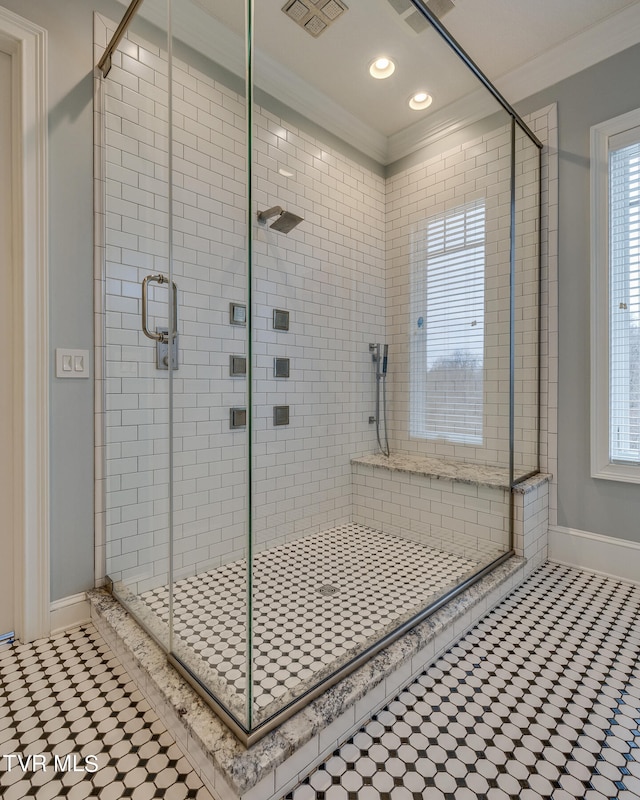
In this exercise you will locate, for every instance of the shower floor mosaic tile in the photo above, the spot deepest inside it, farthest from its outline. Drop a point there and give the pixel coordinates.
(81, 728)
(540, 701)
(317, 601)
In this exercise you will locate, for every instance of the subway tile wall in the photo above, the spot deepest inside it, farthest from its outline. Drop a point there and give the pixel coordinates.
(208, 246)
(466, 519)
(328, 274)
(545, 124)
(333, 273)
(531, 520)
(527, 312)
(136, 396)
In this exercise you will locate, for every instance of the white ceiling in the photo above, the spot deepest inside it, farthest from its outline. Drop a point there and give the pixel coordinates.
(521, 45)
(501, 35)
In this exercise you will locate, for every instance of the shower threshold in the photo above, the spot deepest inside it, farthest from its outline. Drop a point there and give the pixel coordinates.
(268, 767)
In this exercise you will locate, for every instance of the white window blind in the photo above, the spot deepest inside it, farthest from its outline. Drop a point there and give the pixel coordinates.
(448, 319)
(624, 295)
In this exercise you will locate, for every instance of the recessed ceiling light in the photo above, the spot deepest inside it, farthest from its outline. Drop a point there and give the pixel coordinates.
(382, 67)
(420, 101)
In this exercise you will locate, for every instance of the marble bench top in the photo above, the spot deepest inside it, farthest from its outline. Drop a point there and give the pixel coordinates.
(477, 474)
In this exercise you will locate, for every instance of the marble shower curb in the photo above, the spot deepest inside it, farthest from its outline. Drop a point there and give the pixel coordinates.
(272, 766)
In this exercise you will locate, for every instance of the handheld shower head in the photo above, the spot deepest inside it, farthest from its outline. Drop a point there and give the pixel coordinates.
(285, 222)
(380, 357)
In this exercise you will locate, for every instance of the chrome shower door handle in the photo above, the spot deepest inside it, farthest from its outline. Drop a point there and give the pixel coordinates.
(159, 337)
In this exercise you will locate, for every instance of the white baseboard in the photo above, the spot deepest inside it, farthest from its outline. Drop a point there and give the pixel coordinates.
(605, 555)
(69, 612)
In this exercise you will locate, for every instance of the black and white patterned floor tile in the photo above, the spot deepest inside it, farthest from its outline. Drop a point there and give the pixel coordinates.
(315, 601)
(540, 701)
(67, 703)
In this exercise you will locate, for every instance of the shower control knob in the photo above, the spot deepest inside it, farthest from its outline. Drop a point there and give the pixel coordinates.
(165, 360)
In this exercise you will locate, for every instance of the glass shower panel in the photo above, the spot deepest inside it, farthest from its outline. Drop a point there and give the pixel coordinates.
(344, 553)
(209, 445)
(527, 306)
(135, 109)
(289, 285)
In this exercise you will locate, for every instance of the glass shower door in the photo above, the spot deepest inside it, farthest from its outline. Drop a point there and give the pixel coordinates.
(176, 336)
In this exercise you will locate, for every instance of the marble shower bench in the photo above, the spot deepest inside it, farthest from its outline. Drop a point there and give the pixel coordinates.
(451, 505)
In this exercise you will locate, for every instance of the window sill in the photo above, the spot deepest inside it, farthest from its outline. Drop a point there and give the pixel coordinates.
(627, 473)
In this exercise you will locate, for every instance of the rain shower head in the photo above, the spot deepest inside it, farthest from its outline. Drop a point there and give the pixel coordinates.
(286, 220)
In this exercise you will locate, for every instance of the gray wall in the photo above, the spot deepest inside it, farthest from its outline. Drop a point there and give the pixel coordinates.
(70, 27)
(599, 93)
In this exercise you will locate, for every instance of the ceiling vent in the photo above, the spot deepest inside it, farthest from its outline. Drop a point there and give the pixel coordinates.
(414, 18)
(315, 16)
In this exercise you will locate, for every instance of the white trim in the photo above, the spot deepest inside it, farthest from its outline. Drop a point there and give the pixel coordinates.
(316, 106)
(601, 465)
(611, 36)
(605, 555)
(440, 123)
(32, 570)
(69, 612)
(603, 40)
(193, 26)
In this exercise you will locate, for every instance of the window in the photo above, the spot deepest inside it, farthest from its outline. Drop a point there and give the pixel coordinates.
(616, 299)
(448, 327)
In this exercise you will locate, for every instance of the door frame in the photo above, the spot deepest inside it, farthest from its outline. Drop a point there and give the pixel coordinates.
(26, 43)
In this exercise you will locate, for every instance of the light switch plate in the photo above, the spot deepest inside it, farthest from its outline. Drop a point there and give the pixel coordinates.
(72, 363)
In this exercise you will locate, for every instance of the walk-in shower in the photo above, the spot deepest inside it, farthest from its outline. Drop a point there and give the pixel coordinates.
(266, 210)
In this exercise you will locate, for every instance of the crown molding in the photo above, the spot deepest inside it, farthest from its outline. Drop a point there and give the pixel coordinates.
(597, 43)
(468, 109)
(193, 26)
(320, 109)
(611, 36)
